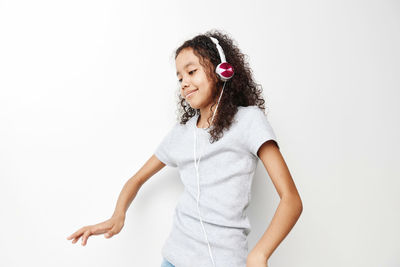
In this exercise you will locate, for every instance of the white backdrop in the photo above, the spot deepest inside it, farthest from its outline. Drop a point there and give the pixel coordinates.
(88, 90)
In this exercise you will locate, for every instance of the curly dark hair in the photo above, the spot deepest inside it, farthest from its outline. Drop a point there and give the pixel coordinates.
(240, 90)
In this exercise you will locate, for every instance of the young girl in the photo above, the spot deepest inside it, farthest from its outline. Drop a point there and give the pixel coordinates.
(222, 126)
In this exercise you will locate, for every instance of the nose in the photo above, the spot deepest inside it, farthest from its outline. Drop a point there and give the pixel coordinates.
(184, 83)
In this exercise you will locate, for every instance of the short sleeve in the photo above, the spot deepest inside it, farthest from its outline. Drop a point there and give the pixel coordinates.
(164, 149)
(257, 130)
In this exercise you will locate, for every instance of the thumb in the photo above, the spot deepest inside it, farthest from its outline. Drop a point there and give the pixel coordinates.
(108, 234)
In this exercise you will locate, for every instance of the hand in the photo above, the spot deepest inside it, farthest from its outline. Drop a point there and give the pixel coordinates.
(111, 227)
(256, 259)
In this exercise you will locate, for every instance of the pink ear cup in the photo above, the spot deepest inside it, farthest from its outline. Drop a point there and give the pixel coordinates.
(225, 71)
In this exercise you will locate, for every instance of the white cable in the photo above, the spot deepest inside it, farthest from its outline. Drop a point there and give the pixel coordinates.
(196, 165)
(198, 209)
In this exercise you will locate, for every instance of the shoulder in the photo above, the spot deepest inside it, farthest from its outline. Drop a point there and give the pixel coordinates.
(179, 128)
(250, 112)
(254, 118)
(172, 130)
(250, 109)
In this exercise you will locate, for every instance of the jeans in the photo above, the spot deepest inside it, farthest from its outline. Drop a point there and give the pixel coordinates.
(166, 263)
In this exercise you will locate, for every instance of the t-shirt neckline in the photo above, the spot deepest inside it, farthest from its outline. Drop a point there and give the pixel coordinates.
(195, 118)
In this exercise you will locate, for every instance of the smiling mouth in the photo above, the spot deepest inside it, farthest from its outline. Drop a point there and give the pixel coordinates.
(191, 93)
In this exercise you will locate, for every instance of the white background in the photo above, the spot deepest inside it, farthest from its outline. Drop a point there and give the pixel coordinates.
(88, 90)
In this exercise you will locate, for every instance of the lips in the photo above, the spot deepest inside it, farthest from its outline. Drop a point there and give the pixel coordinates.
(191, 91)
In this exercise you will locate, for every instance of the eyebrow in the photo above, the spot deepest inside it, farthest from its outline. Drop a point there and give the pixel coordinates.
(190, 63)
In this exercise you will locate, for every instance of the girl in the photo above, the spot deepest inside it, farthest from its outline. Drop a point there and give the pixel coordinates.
(223, 126)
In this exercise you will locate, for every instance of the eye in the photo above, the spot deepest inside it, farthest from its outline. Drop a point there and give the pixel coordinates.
(190, 72)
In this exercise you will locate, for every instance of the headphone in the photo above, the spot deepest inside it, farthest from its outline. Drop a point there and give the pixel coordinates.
(225, 72)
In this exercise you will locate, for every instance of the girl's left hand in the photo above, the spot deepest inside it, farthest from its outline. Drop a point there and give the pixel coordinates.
(255, 259)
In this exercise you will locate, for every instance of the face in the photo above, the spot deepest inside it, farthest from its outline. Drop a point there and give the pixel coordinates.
(193, 78)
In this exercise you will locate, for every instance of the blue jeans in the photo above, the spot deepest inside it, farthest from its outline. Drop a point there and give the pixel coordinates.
(166, 263)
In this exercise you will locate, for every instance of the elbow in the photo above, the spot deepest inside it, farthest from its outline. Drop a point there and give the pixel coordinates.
(298, 203)
(295, 201)
(300, 206)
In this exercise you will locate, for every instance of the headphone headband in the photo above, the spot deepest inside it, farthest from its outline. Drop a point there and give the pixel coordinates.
(224, 70)
(219, 48)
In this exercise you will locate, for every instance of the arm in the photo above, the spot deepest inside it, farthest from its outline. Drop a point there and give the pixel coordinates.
(114, 225)
(132, 186)
(289, 209)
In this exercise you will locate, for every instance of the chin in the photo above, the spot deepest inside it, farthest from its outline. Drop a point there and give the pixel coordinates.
(194, 105)
(197, 104)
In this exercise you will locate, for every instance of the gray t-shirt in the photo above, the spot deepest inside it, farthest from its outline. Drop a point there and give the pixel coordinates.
(226, 172)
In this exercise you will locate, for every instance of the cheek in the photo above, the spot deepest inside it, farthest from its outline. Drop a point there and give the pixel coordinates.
(205, 93)
(198, 80)
(203, 83)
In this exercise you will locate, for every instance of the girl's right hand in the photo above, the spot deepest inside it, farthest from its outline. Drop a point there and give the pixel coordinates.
(111, 227)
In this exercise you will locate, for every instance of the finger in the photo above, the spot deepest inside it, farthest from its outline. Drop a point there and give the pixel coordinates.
(85, 237)
(109, 234)
(77, 233)
(70, 236)
(75, 239)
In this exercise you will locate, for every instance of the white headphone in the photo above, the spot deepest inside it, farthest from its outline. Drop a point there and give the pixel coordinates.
(225, 72)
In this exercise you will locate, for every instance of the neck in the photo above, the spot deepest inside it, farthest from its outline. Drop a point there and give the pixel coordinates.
(205, 114)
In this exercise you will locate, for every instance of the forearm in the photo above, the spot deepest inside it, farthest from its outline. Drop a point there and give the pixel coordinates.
(132, 186)
(128, 193)
(285, 217)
